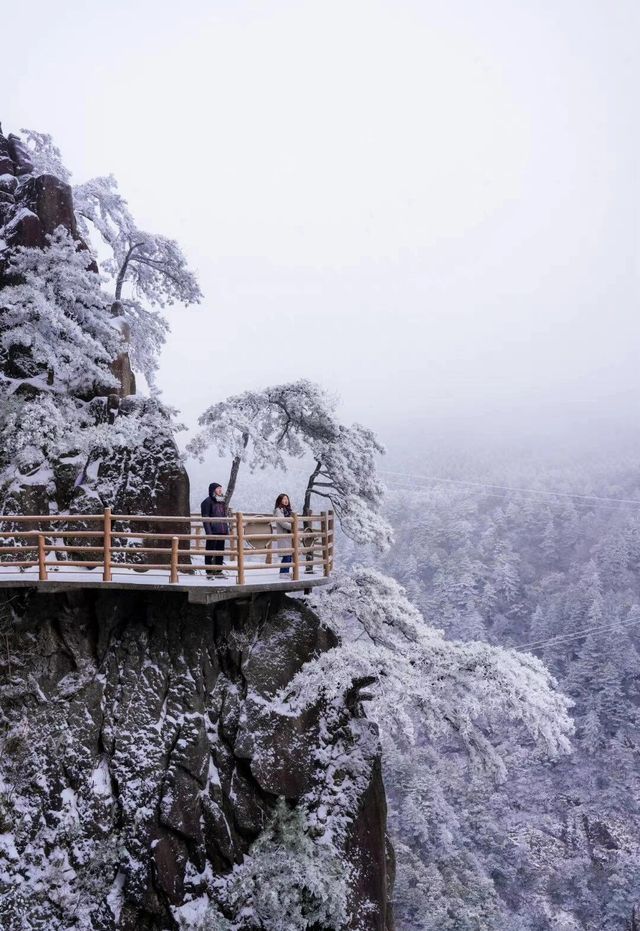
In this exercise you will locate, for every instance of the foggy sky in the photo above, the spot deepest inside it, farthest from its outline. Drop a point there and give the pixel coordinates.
(431, 208)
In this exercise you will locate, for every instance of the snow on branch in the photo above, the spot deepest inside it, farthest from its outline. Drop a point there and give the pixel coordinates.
(425, 684)
(45, 155)
(288, 880)
(56, 310)
(263, 428)
(142, 268)
(153, 265)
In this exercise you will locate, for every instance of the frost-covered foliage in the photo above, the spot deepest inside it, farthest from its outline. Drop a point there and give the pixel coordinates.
(69, 338)
(56, 313)
(58, 341)
(294, 420)
(556, 845)
(153, 267)
(440, 705)
(46, 157)
(290, 880)
(424, 685)
(148, 330)
(56, 349)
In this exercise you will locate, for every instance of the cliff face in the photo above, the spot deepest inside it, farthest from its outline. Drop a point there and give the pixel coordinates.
(143, 757)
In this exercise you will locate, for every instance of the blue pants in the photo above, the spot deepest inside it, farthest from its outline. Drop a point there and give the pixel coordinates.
(286, 559)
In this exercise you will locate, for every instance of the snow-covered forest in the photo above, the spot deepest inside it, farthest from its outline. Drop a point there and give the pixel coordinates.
(554, 569)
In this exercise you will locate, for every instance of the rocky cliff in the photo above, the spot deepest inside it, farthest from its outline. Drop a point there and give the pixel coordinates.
(150, 778)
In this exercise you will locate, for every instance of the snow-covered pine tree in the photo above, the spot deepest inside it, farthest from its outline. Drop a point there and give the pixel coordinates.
(57, 347)
(55, 323)
(438, 703)
(295, 420)
(143, 270)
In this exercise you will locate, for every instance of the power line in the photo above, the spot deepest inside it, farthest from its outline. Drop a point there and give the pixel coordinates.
(530, 491)
(536, 644)
(488, 494)
(586, 500)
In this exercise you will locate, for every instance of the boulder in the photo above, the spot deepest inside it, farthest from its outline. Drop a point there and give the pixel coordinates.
(20, 155)
(8, 182)
(23, 228)
(52, 202)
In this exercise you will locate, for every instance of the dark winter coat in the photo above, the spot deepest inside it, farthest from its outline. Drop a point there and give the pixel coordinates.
(212, 508)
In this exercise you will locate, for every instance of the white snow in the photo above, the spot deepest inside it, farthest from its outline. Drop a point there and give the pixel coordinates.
(213, 776)
(116, 895)
(19, 215)
(100, 779)
(8, 847)
(124, 576)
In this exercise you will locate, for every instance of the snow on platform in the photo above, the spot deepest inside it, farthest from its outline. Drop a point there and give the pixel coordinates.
(200, 588)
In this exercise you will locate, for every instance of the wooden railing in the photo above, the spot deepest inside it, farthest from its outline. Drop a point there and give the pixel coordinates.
(127, 542)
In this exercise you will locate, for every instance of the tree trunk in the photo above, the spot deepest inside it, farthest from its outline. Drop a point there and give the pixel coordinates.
(235, 468)
(309, 489)
(308, 537)
(123, 270)
(233, 478)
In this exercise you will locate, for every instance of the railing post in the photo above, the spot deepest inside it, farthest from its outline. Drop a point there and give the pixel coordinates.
(332, 539)
(309, 540)
(173, 572)
(233, 531)
(240, 539)
(296, 548)
(325, 542)
(42, 565)
(106, 546)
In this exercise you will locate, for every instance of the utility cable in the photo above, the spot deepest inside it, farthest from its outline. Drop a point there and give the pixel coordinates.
(531, 491)
(536, 644)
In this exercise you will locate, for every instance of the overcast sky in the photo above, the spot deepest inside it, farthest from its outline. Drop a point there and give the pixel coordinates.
(429, 207)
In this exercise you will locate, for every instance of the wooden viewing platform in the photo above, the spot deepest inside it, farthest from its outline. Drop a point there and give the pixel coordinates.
(57, 552)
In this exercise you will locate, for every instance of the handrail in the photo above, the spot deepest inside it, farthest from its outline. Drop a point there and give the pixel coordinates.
(113, 544)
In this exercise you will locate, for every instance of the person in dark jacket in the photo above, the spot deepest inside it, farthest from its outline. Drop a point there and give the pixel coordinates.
(214, 507)
(282, 525)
